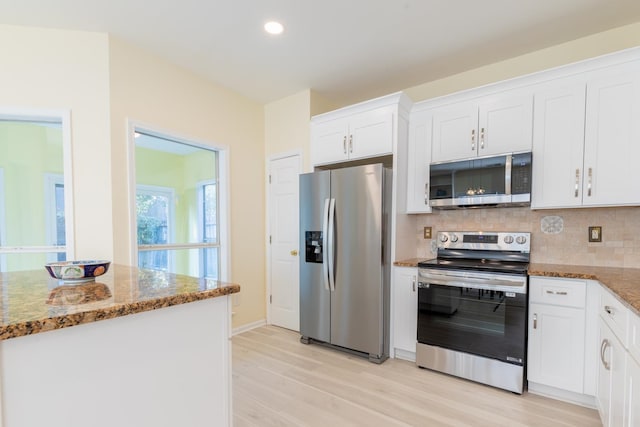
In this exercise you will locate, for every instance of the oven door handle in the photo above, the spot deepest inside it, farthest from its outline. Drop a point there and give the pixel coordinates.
(470, 282)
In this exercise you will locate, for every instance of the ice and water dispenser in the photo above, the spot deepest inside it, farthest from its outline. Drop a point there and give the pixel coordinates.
(313, 246)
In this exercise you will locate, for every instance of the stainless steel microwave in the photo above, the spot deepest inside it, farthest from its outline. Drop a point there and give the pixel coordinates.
(481, 182)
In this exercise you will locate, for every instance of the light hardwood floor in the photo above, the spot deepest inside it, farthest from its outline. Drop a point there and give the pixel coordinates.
(277, 381)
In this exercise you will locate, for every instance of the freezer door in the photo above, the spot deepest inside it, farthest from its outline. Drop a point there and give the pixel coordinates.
(357, 301)
(315, 300)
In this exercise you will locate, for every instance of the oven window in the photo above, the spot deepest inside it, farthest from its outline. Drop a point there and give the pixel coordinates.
(483, 322)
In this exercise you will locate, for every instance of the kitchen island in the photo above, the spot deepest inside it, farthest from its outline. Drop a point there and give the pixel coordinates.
(134, 348)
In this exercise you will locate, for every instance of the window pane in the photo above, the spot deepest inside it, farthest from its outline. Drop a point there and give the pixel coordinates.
(28, 152)
(191, 262)
(177, 204)
(27, 261)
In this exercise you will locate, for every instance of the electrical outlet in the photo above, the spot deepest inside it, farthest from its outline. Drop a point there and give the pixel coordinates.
(595, 234)
(427, 232)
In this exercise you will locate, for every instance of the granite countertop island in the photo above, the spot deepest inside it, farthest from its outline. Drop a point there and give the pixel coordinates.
(134, 348)
(33, 302)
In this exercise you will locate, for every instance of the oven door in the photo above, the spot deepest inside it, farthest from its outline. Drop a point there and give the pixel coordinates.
(464, 315)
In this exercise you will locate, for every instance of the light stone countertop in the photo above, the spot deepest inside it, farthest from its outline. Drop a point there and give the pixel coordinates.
(622, 282)
(33, 302)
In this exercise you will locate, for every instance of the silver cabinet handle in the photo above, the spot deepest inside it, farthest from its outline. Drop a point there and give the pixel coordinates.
(577, 182)
(535, 320)
(344, 144)
(414, 283)
(609, 309)
(351, 143)
(473, 140)
(603, 348)
(556, 292)
(590, 179)
(482, 138)
(426, 193)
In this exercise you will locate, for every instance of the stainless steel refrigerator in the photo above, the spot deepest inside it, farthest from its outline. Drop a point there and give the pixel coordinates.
(345, 264)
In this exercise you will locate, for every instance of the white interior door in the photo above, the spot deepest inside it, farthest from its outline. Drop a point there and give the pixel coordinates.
(284, 231)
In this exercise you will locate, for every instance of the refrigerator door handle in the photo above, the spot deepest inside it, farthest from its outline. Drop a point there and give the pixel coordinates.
(331, 247)
(325, 247)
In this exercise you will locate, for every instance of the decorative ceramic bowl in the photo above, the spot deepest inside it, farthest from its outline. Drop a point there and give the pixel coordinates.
(77, 271)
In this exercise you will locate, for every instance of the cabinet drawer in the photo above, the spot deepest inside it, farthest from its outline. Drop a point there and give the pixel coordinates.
(615, 314)
(562, 292)
(634, 336)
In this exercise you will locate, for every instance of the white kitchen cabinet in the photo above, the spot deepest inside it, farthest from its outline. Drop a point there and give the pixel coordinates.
(612, 137)
(611, 378)
(557, 330)
(632, 393)
(405, 312)
(585, 139)
(558, 142)
(419, 158)
(364, 130)
(491, 125)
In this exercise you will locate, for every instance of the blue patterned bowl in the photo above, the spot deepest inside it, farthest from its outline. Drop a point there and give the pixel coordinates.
(77, 271)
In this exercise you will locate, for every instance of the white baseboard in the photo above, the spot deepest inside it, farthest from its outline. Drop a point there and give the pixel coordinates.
(404, 355)
(248, 327)
(564, 395)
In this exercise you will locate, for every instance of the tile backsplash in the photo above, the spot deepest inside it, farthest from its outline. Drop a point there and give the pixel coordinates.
(620, 246)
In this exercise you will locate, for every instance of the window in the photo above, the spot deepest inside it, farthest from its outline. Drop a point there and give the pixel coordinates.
(155, 223)
(177, 205)
(34, 159)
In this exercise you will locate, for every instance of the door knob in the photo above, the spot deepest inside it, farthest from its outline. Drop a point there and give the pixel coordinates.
(294, 253)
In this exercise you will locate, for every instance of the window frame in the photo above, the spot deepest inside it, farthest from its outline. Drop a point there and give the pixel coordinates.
(133, 127)
(62, 117)
(50, 182)
(216, 243)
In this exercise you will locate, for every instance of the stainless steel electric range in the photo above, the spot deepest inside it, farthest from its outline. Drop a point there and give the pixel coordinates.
(472, 307)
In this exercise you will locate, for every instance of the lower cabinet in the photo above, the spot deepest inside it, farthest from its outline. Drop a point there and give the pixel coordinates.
(632, 391)
(611, 378)
(405, 312)
(556, 346)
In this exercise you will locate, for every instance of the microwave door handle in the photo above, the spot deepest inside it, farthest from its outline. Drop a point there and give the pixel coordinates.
(325, 246)
(507, 174)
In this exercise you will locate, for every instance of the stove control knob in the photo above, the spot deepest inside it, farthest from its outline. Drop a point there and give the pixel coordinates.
(454, 238)
(521, 240)
(508, 240)
(443, 238)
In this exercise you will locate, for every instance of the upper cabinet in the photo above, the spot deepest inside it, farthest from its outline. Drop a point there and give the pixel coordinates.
(368, 129)
(491, 125)
(418, 159)
(586, 139)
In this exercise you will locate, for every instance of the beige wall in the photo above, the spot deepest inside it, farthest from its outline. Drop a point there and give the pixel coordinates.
(149, 90)
(562, 54)
(68, 70)
(286, 126)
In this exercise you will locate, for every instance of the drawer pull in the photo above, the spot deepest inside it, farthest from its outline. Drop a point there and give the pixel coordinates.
(557, 292)
(609, 309)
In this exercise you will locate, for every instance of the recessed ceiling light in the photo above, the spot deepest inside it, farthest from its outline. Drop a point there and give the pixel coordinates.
(273, 27)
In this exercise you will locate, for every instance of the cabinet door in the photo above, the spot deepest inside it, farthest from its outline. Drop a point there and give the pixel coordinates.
(505, 124)
(611, 378)
(405, 308)
(419, 157)
(632, 394)
(329, 142)
(556, 346)
(558, 142)
(612, 137)
(370, 134)
(455, 132)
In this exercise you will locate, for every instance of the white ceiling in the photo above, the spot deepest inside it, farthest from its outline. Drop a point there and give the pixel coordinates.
(346, 50)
